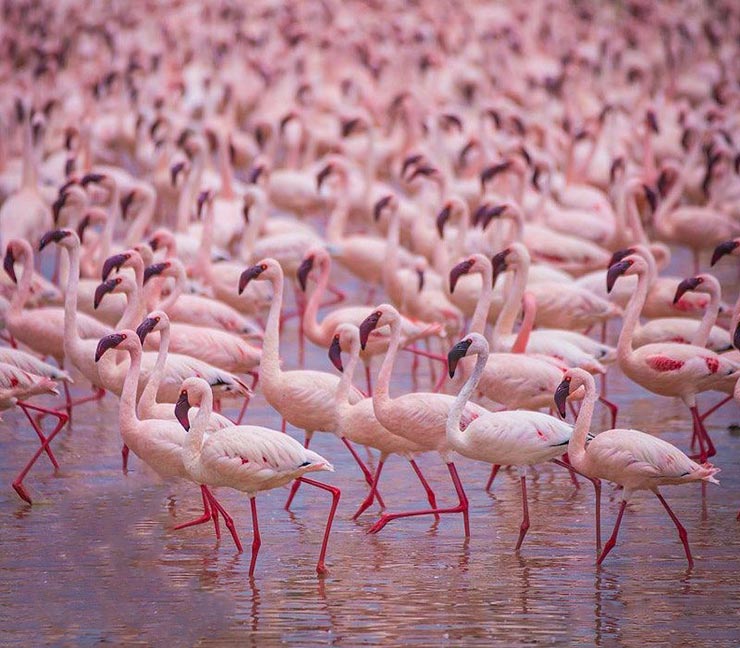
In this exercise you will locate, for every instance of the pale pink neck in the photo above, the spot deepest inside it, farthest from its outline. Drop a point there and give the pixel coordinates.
(483, 307)
(512, 303)
(20, 296)
(632, 318)
(381, 397)
(530, 310)
(577, 443)
(270, 362)
(127, 416)
(311, 324)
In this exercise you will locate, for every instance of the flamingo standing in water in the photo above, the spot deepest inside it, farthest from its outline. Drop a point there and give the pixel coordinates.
(248, 458)
(419, 417)
(158, 443)
(511, 438)
(633, 459)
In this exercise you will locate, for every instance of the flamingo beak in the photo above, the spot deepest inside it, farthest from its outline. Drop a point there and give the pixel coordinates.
(145, 328)
(102, 290)
(154, 270)
(304, 270)
(182, 407)
(685, 286)
(619, 255)
(420, 275)
(126, 202)
(255, 174)
(368, 325)
(203, 196)
(736, 337)
(651, 197)
(460, 269)
(561, 396)
(175, 171)
(54, 236)
(154, 244)
(114, 262)
(490, 213)
(728, 247)
(457, 353)
(498, 263)
(56, 208)
(84, 224)
(323, 175)
(9, 264)
(108, 342)
(442, 219)
(250, 273)
(615, 271)
(335, 353)
(380, 206)
(94, 178)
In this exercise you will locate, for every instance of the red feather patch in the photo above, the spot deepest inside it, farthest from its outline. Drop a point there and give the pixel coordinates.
(712, 364)
(663, 363)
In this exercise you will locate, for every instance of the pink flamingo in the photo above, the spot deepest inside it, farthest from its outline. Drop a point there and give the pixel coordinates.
(633, 459)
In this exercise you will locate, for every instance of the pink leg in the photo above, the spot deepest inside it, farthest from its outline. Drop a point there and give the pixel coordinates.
(613, 538)
(245, 404)
(613, 409)
(425, 484)
(525, 514)
(25, 407)
(335, 495)
(256, 539)
(573, 478)
(706, 447)
(714, 408)
(597, 492)
(339, 296)
(297, 483)
(367, 502)
(282, 426)
(462, 507)
(205, 517)
(124, 458)
(227, 520)
(368, 380)
(18, 481)
(365, 471)
(494, 471)
(681, 531)
(70, 403)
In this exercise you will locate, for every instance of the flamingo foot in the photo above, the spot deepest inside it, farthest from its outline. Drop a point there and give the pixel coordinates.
(335, 495)
(22, 492)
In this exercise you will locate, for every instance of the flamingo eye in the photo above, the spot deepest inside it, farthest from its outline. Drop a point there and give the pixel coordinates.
(336, 337)
(378, 313)
(568, 379)
(184, 392)
(118, 280)
(264, 266)
(156, 319)
(123, 336)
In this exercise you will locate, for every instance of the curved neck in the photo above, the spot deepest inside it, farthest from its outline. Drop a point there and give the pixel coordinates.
(676, 191)
(577, 442)
(29, 179)
(20, 296)
(310, 315)
(251, 231)
(194, 437)
(701, 336)
(483, 306)
(632, 318)
(70, 299)
(507, 318)
(177, 290)
(131, 314)
(338, 218)
(525, 330)
(517, 223)
(127, 416)
(381, 396)
(341, 398)
(270, 362)
(454, 434)
(148, 397)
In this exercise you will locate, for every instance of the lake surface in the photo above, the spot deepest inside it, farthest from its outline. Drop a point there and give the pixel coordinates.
(95, 559)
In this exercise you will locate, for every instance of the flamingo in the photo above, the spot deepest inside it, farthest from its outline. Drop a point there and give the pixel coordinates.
(726, 247)
(668, 369)
(158, 443)
(419, 417)
(512, 438)
(631, 458)
(248, 458)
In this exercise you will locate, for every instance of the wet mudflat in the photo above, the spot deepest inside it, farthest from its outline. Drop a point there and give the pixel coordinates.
(95, 560)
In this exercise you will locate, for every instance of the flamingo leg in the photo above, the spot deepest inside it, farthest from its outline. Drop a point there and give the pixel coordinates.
(368, 380)
(336, 494)
(367, 502)
(339, 296)
(205, 517)
(227, 520)
(18, 481)
(124, 458)
(573, 478)
(706, 447)
(494, 471)
(297, 483)
(714, 408)
(525, 514)
(612, 407)
(425, 484)
(613, 538)
(462, 507)
(681, 530)
(25, 407)
(247, 399)
(70, 403)
(365, 471)
(256, 539)
(597, 493)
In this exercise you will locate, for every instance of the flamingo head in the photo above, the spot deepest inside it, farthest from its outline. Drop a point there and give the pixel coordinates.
(155, 321)
(192, 392)
(736, 337)
(386, 201)
(111, 341)
(126, 202)
(175, 171)
(156, 269)
(616, 171)
(443, 217)
(9, 262)
(471, 344)
(56, 236)
(651, 121)
(462, 268)
(107, 286)
(651, 196)
(383, 315)
(204, 198)
(264, 270)
(58, 205)
(573, 380)
(322, 175)
(411, 161)
(162, 238)
(500, 263)
(259, 170)
(727, 247)
(116, 262)
(486, 213)
(490, 172)
(305, 269)
(335, 352)
(620, 254)
(182, 407)
(692, 283)
(616, 270)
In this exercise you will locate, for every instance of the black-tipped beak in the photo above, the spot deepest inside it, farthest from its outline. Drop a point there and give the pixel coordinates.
(727, 247)
(335, 353)
(182, 407)
(459, 351)
(94, 178)
(83, 225)
(490, 213)
(619, 255)
(56, 208)
(304, 270)
(52, 237)
(108, 342)
(492, 171)
(113, 263)
(615, 271)
(498, 263)
(651, 197)
(442, 219)
(9, 264)
(175, 171)
(736, 337)
(155, 269)
(380, 206)
(255, 173)
(126, 203)
(250, 273)
(460, 269)
(102, 290)
(203, 197)
(323, 175)
(686, 285)
(145, 328)
(154, 244)
(561, 396)
(368, 326)
(652, 121)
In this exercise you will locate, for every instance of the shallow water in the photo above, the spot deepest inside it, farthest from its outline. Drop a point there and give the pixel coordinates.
(96, 560)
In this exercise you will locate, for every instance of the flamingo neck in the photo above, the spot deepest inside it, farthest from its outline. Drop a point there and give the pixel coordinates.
(341, 398)
(660, 217)
(136, 232)
(270, 362)
(131, 314)
(463, 227)
(111, 223)
(390, 268)
(206, 241)
(701, 336)
(514, 214)
(70, 298)
(631, 319)
(29, 178)
(522, 339)
(629, 204)
(20, 296)
(194, 437)
(225, 170)
(177, 290)
(338, 218)
(577, 442)
(483, 306)
(455, 436)
(128, 419)
(148, 397)
(310, 315)
(381, 395)
(505, 323)
(251, 231)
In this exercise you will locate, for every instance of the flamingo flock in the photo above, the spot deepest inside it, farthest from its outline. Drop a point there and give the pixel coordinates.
(475, 193)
